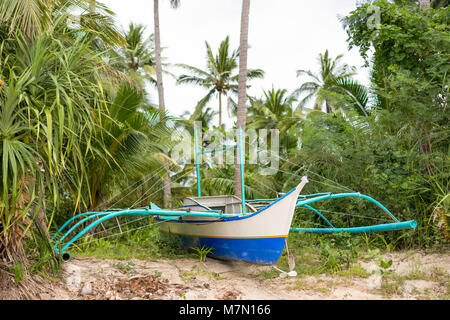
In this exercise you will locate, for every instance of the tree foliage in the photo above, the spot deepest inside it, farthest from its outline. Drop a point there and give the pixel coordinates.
(78, 131)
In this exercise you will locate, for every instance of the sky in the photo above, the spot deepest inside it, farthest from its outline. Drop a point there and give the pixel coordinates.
(284, 36)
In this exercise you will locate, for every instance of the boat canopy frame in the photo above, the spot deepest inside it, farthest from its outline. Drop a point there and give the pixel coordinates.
(239, 145)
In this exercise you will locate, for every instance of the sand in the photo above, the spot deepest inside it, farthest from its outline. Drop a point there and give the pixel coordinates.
(414, 275)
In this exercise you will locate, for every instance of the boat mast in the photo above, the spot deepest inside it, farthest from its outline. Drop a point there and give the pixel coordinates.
(241, 168)
(240, 145)
(197, 163)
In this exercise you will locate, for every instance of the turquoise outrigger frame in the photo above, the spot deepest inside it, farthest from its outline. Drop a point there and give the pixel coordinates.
(167, 215)
(305, 200)
(397, 225)
(153, 210)
(101, 216)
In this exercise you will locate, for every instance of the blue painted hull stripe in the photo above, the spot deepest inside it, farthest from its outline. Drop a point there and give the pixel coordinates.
(254, 250)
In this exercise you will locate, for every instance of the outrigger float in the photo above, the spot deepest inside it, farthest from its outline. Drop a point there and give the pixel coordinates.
(235, 229)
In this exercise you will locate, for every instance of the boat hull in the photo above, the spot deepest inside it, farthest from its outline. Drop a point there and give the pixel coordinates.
(254, 250)
(257, 237)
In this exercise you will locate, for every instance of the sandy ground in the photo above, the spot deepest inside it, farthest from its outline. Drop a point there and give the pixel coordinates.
(425, 276)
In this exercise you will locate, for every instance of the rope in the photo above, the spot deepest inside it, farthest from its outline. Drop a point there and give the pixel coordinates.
(150, 175)
(336, 185)
(127, 231)
(184, 174)
(123, 224)
(187, 172)
(310, 179)
(308, 170)
(355, 215)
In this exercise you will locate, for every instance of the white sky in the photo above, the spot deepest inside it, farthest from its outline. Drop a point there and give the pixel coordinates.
(284, 36)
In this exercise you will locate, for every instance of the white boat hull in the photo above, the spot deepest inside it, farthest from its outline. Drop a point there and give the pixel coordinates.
(257, 237)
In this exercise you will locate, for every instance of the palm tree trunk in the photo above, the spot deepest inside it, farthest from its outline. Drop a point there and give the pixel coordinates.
(167, 193)
(158, 56)
(242, 86)
(220, 110)
(41, 218)
(219, 159)
(328, 106)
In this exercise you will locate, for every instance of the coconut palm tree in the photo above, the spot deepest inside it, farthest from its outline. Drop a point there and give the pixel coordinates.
(352, 95)
(219, 77)
(33, 17)
(129, 132)
(137, 57)
(159, 80)
(29, 16)
(205, 117)
(174, 4)
(320, 85)
(275, 110)
(270, 110)
(242, 87)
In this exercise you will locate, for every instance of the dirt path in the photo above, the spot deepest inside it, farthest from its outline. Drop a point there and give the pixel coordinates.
(415, 275)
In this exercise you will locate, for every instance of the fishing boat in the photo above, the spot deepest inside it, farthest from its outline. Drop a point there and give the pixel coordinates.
(258, 236)
(229, 227)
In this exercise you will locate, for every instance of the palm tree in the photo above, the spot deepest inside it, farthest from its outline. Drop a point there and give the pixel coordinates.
(136, 60)
(353, 95)
(137, 57)
(319, 86)
(242, 88)
(205, 117)
(275, 110)
(29, 16)
(174, 4)
(218, 78)
(129, 132)
(270, 111)
(33, 17)
(159, 80)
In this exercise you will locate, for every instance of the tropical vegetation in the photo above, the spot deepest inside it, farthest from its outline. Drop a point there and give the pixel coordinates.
(78, 130)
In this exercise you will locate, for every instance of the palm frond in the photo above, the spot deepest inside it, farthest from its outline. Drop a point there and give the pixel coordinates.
(29, 16)
(188, 79)
(357, 92)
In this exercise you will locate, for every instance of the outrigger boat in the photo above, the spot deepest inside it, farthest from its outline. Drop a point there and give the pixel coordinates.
(233, 229)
